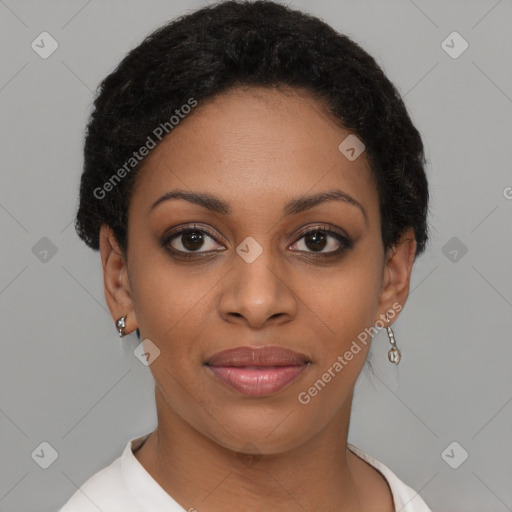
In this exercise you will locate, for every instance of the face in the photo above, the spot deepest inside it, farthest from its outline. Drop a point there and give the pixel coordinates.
(258, 266)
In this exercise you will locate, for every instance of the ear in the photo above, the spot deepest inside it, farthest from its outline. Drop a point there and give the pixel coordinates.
(397, 275)
(115, 279)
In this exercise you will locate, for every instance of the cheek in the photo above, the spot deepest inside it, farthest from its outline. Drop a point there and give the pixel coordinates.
(173, 308)
(345, 302)
(344, 306)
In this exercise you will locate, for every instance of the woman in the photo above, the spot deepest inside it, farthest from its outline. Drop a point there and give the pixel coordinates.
(257, 193)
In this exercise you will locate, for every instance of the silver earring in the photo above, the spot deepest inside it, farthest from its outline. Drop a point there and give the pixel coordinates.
(394, 354)
(121, 324)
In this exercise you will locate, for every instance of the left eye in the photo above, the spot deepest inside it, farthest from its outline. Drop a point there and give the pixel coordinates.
(318, 240)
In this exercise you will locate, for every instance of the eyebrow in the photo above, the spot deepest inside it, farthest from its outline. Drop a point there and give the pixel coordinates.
(293, 207)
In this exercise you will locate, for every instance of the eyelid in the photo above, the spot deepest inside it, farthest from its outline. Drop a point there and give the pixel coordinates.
(168, 237)
(330, 229)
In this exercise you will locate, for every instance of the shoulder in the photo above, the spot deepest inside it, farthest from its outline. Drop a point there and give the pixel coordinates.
(123, 486)
(105, 490)
(405, 498)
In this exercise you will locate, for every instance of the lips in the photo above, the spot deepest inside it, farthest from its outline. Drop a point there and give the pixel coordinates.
(257, 356)
(257, 372)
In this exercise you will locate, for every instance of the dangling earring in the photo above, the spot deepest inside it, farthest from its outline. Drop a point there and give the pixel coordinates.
(394, 354)
(121, 324)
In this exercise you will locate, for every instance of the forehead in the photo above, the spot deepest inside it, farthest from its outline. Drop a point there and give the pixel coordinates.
(255, 146)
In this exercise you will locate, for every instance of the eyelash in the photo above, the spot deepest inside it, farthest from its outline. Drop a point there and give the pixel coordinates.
(346, 243)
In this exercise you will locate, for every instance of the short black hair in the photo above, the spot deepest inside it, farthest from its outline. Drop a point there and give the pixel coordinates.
(241, 43)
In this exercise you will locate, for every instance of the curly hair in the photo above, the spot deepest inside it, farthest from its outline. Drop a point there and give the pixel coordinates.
(242, 43)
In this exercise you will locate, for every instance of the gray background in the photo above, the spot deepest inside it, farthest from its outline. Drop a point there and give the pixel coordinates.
(67, 379)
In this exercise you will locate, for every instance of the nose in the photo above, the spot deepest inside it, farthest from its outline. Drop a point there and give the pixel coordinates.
(258, 293)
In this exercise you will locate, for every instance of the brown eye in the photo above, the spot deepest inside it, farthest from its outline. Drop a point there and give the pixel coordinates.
(323, 241)
(316, 240)
(191, 240)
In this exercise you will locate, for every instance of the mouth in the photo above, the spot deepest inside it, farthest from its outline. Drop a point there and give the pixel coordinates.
(257, 371)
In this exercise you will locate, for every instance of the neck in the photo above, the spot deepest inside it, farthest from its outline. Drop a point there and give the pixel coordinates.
(201, 474)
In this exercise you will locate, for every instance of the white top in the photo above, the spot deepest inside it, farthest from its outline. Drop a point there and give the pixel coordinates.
(126, 486)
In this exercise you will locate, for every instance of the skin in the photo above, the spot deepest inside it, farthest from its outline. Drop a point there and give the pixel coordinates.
(256, 148)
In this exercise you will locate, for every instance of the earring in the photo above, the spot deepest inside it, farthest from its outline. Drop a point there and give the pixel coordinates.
(120, 325)
(394, 354)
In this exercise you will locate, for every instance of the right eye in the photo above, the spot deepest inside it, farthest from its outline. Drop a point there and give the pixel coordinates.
(188, 241)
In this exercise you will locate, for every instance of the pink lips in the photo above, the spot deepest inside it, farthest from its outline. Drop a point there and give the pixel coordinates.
(257, 371)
